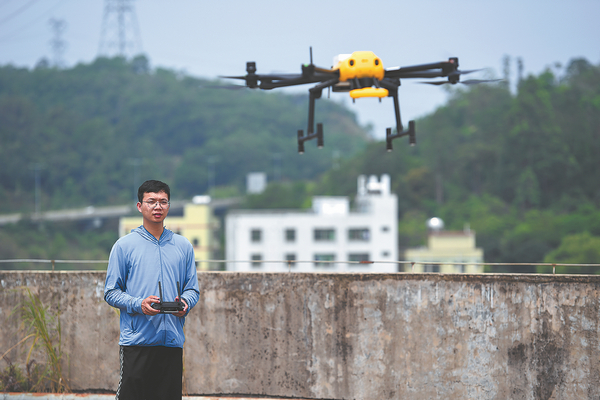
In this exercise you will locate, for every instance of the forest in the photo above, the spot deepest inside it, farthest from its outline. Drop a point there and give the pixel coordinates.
(520, 167)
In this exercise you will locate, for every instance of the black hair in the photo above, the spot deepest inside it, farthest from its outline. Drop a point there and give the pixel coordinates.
(153, 186)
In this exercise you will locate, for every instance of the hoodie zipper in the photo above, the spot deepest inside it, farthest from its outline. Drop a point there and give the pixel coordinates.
(158, 242)
(160, 262)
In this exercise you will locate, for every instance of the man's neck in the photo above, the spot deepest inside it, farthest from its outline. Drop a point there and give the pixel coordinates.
(155, 230)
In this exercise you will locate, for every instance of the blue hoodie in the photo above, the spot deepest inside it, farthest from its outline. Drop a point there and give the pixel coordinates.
(137, 263)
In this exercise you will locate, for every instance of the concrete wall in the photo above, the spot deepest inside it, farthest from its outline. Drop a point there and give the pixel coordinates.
(348, 336)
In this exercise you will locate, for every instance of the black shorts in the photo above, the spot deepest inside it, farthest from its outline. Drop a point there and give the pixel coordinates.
(149, 373)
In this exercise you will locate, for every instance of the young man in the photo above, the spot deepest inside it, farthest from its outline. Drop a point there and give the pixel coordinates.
(151, 344)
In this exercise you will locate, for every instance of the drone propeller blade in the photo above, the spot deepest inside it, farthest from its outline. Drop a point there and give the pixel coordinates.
(437, 83)
(467, 82)
(460, 72)
(476, 81)
(244, 77)
(231, 87)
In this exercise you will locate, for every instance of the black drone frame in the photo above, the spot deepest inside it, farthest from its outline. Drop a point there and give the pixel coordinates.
(329, 78)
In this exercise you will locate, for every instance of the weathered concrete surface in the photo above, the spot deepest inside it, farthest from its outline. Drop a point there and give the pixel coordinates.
(90, 328)
(84, 396)
(349, 336)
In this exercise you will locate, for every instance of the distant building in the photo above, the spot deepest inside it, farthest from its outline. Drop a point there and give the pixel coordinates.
(322, 239)
(456, 247)
(197, 224)
(256, 182)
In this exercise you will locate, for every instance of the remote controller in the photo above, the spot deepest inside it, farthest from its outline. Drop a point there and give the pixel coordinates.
(169, 307)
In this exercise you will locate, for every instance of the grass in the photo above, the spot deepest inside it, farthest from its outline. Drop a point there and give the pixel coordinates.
(43, 329)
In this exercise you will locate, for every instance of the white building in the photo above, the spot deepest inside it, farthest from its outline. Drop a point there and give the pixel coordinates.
(322, 239)
(256, 182)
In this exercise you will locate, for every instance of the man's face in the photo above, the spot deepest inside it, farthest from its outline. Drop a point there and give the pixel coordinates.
(154, 207)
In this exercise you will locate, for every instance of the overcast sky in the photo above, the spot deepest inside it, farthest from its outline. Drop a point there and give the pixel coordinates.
(207, 39)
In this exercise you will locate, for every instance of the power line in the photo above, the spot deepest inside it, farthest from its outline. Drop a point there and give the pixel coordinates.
(17, 12)
(10, 35)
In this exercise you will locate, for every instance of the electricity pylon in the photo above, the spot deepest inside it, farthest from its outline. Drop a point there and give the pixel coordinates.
(57, 43)
(120, 33)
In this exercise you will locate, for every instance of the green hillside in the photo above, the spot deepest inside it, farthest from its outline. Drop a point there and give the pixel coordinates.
(85, 129)
(520, 168)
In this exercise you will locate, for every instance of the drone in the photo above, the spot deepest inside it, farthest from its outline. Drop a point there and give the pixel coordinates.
(362, 75)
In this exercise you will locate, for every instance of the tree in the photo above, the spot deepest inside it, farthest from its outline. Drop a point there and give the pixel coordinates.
(579, 248)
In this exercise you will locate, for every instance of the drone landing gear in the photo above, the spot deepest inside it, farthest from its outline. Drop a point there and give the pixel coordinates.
(393, 92)
(302, 138)
(410, 133)
(314, 94)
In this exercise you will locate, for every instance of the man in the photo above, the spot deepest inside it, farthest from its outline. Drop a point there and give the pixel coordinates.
(151, 344)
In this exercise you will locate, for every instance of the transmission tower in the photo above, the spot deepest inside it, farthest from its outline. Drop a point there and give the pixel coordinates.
(120, 33)
(57, 43)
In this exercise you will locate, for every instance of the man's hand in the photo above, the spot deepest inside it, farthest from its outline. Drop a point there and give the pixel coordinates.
(147, 305)
(182, 312)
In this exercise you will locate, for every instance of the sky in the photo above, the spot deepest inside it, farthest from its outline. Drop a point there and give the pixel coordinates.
(211, 38)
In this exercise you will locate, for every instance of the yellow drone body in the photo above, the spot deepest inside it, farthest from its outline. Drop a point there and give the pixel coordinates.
(360, 64)
(369, 92)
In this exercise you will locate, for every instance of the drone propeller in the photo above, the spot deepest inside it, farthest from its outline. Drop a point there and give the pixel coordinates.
(251, 78)
(234, 77)
(454, 76)
(459, 72)
(230, 87)
(476, 81)
(467, 82)
(437, 83)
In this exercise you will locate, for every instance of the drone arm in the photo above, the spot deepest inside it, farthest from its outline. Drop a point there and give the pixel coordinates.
(432, 70)
(420, 74)
(422, 67)
(278, 81)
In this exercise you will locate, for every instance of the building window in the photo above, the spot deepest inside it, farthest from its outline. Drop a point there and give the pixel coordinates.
(359, 234)
(290, 258)
(256, 260)
(431, 268)
(385, 254)
(196, 242)
(324, 235)
(290, 235)
(324, 260)
(358, 257)
(385, 229)
(255, 235)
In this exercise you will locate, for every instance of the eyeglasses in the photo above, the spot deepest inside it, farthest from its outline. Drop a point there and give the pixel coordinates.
(154, 203)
